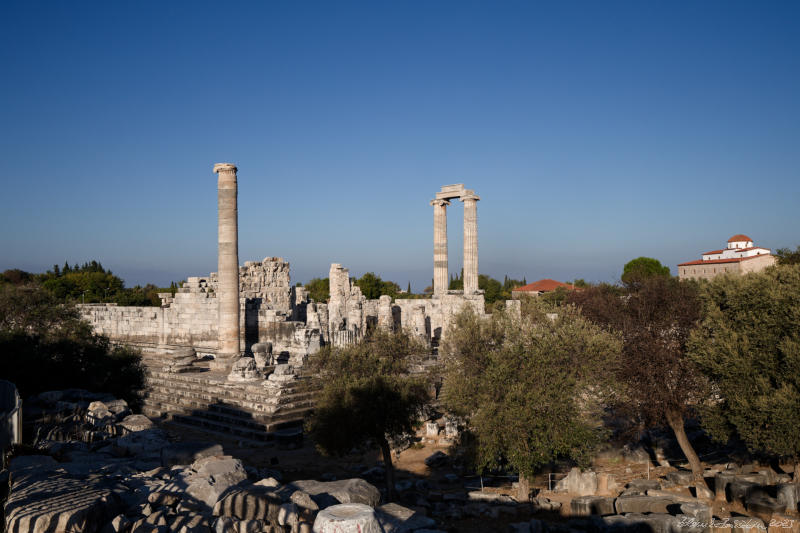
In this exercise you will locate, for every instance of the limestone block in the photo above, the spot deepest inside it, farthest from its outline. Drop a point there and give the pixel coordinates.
(643, 504)
(592, 505)
(398, 519)
(347, 518)
(580, 483)
(327, 493)
(212, 476)
(134, 423)
(244, 369)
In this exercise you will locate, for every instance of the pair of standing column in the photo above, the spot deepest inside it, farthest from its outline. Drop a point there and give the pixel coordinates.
(440, 269)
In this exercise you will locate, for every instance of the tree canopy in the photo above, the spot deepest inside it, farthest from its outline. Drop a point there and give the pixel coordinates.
(530, 386)
(749, 345)
(788, 257)
(44, 345)
(368, 395)
(372, 286)
(657, 382)
(641, 268)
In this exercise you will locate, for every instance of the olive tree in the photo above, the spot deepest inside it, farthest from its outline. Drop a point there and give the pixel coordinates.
(531, 386)
(748, 344)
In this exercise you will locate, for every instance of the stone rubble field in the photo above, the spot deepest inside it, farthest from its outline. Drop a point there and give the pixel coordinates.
(97, 467)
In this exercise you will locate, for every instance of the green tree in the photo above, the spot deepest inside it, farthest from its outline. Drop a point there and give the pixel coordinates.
(372, 286)
(788, 257)
(44, 345)
(748, 344)
(641, 268)
(367, 395)
(658, 383)
(531, 387)
(319, 289)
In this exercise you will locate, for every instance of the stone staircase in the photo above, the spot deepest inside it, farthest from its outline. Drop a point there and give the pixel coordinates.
(204, 400)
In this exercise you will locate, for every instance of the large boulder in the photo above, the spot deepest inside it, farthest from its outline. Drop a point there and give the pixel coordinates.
(327, 493)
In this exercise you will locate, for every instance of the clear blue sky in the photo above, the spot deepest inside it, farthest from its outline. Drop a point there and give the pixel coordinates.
(595, 132)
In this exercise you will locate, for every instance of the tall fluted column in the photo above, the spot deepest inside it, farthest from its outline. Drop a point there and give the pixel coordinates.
(228, 269)
(470, 243)
(440, 281)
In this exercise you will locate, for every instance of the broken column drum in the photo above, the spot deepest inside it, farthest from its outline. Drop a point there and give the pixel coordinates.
(440, 271)
(228, 267)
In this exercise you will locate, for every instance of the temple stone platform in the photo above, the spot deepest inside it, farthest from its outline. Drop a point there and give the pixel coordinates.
(204, 400)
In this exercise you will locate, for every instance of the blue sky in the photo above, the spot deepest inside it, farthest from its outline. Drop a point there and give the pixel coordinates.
(594, 132)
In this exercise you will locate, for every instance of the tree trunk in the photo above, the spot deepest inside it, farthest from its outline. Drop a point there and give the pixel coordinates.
(387, 461)
(675, 421)
(796, 475)
(523, 488)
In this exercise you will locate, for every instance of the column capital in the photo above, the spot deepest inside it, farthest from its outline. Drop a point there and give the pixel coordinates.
(469, 197)
(440, 202)
(224, 167)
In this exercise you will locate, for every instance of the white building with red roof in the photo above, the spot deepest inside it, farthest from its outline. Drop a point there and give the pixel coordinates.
(740, 257)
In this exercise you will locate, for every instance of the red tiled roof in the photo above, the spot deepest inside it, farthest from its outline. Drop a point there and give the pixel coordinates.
(715, 261)
(714, 252)
(544, 285)
(739, 237)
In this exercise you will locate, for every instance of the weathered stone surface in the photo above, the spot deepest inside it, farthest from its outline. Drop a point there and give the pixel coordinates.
(188, 452)
(347, 518)
(304, 501)
(189, 523)
(141, 442)
(45, 499)
(680, 477)
(249, 503)
(493, 497)
(643, 504)
(134, 423)
(579, 483)
(764, 507)
(398, 519)
(212, 476)
(327, 493)
(787, 495)
(245, 369)
(592, 505)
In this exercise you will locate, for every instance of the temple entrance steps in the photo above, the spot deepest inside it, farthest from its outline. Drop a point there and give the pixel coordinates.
(204, 400)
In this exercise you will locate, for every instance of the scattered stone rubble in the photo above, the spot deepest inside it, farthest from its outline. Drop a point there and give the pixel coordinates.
(112, 471)
(678, 504)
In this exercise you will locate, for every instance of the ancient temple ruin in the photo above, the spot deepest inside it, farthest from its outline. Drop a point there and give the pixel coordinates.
(228, 350)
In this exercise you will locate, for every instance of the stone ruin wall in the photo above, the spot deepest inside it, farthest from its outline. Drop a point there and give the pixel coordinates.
(351, 314)
(269, 304)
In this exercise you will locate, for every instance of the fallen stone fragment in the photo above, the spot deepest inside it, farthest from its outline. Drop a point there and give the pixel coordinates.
(592, 505)
(327, 493)
(347, 518)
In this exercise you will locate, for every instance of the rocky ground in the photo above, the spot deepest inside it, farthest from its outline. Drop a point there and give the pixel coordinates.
(97, 467)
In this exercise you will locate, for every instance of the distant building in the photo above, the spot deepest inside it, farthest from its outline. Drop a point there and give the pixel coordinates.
(740, 257)
(539, 287)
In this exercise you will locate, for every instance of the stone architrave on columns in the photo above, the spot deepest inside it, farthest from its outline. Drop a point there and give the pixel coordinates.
(470, 242)
(440, 270)
(228, 269)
